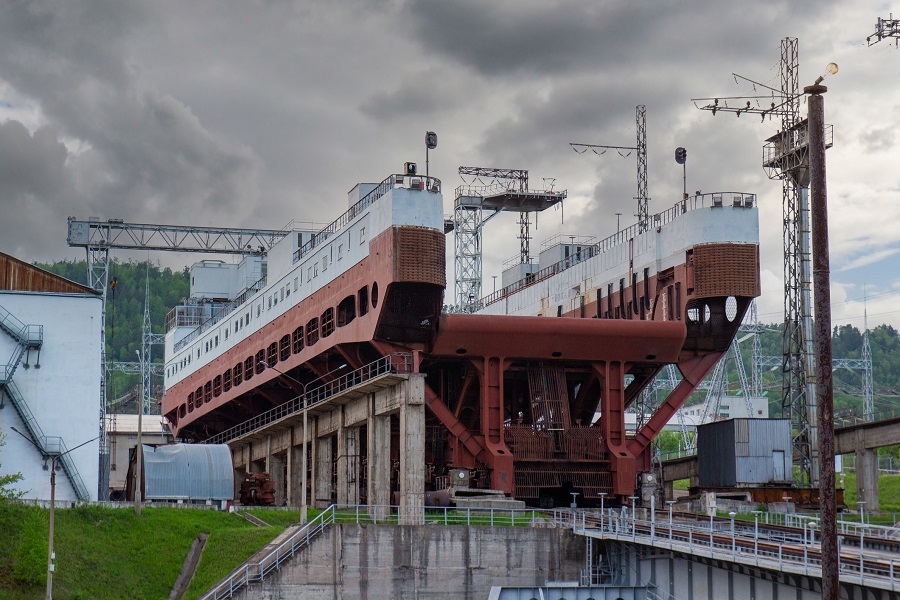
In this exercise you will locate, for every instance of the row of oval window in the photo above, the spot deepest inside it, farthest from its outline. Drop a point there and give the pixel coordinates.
(303, 336)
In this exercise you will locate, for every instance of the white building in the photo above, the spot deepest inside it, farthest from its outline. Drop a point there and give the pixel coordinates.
(50, 376)
(730, 407)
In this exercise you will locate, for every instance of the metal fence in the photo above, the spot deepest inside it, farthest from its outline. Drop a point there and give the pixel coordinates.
(400, 363)
(793, 550)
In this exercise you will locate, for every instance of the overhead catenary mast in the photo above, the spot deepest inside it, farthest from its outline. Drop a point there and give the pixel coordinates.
(884, 29)
(640, 147)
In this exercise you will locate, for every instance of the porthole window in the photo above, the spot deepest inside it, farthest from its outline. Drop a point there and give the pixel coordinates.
(374, 294)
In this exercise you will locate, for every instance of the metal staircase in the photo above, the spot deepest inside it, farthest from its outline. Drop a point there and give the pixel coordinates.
(27, 338)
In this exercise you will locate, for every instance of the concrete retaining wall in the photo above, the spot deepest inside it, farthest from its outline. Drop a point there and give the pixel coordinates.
(371, 562)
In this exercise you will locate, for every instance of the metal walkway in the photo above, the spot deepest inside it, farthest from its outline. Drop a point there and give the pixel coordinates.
(778, 548)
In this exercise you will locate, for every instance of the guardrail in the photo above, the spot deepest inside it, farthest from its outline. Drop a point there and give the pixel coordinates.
(400, 363)
(428, 183)
(370, 515)
(712, 200)
(794, 550)
(48, 445)
(221, 312)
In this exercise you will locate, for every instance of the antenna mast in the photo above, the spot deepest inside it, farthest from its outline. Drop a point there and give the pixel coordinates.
(885, 28)
(640, 147)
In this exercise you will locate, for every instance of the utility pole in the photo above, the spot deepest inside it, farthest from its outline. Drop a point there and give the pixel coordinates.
(139, 449)
(822, 298)
(55, 458)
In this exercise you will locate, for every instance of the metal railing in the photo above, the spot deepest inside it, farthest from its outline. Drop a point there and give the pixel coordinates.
(49, 445)
(429, 183)
(222, 312)
(400, 363)
(27, 335)
(712, 200)
(371, 515)
(743, 542)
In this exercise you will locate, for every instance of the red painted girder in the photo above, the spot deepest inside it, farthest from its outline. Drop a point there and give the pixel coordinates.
(657, 342)
(498, 457)
(453, 425)
(612, 424)
(693, 372)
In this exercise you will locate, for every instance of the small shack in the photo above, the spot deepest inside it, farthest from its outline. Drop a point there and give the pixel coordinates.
(744, 453)
(186, 473)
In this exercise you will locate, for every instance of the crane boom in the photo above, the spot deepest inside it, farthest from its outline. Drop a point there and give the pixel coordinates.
(115, 233)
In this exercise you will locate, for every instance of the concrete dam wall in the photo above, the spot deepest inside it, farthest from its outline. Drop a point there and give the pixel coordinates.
(372, 562)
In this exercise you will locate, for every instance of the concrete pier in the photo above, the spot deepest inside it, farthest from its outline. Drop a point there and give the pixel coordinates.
(346, 432)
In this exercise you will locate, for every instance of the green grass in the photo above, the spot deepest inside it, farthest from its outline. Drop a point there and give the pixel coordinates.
(112, 553)
(888, 491)
(277, 518)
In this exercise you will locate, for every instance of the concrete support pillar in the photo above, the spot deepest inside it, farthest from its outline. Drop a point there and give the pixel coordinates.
(378, 461)
(296, 472)
(351, 454)
(277, 463)
(412, 451)
(313, 465)
(323, 472)
(341, 460)
(867, 478)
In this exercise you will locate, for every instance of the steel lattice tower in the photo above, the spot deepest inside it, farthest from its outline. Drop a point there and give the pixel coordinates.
(640, 118)
(868, 391)
(798, 399)
(467, 222)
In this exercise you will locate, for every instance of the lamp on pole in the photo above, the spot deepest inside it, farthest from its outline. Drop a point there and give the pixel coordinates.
(139, 449)
(54, 462)
(732, 514)
(602, 498)
(756, 514)
(303, 451)
(633, 517)
(670, 503)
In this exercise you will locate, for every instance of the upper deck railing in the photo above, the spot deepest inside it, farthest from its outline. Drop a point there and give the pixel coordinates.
(711, 200)
(408, 181)
(432, 184)
(220, 312)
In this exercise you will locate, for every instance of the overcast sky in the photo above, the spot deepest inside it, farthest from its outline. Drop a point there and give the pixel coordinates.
(253, 113)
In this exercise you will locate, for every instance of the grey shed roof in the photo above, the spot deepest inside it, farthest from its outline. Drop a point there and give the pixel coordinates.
(188, 472)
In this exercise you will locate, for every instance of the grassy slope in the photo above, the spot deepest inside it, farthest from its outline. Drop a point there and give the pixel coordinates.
(112, 553)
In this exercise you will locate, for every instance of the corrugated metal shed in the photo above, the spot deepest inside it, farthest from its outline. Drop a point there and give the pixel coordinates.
(744, 452)
(188, 472)
(19, 276)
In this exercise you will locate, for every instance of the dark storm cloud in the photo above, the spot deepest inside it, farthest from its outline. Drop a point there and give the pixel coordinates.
(509, 37)
(145, 153)
(33, 183)
(31, 165)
